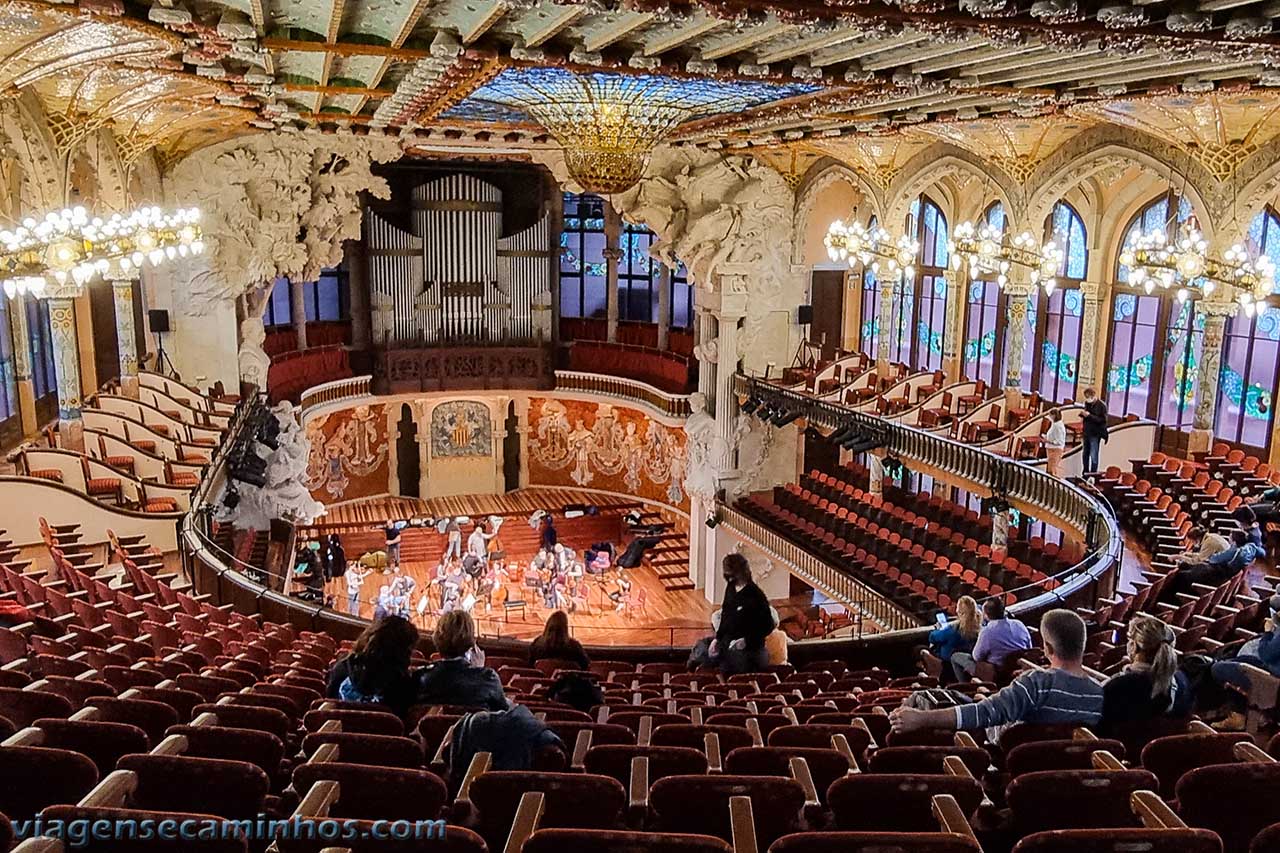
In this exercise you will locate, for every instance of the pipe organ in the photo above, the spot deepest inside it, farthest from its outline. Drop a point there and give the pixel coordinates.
(455, 279)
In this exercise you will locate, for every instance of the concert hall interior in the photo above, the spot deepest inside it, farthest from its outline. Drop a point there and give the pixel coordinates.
(791, 425)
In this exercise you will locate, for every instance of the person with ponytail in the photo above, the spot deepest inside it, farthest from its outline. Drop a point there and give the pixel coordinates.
(1151, 686)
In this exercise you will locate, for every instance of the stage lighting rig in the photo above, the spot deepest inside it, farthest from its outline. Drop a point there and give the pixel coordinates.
(749, 405)
(785, 416)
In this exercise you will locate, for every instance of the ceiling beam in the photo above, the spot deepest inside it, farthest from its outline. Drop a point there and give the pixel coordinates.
(750, 37)
(808, 45)
(410, 21)
(336, 11)
(344, 48)
(946, 63)
(866, 47)
(1076, 70)
(1146, 74)
(486, 16)
(561, 17)
(678, 35)
(904, 58)
(620, 29)
(375, 94)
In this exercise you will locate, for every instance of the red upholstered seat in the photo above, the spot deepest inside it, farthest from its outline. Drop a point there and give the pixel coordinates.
(620, 841)
(34, 777)
(124, 463)
(381, 793)
(102, 485)
(230, 789)
(578, 800)
(145, 444)
(874, 842)
(897, 802)
(160, 505)
(184, 478)
(227, 842)
(1121, 841)
(47, 474)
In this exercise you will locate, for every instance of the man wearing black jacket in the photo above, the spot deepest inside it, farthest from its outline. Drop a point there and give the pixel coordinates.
(745, 621)
(1095, 430)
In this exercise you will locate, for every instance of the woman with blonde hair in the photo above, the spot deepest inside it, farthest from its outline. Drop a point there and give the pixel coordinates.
(1151, 686)
(957, 636)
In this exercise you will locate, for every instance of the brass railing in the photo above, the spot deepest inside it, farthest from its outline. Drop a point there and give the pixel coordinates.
(671, 405)
(331, 392)
(841, 587)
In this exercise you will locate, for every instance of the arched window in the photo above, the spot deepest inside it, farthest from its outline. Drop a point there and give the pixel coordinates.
(869, 334)
(923, 306)
(1058, 326)
(1153, 334)
(982, 341)
(1251, 353)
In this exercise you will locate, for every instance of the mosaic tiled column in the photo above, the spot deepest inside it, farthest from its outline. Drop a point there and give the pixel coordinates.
(952, 337)
(66, 363)
(1086, 373)
(298, 312)
(1215, 312)
(1015, 340)
(886, 324)
(664, 305)
(612, 254)
(126, 337)
(875, 474)
(18, 326)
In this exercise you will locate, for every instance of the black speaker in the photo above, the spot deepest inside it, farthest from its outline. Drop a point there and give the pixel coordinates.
(158, 320)
(804, 315)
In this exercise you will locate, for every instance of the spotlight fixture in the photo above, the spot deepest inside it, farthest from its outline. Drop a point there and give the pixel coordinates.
(231, 499)
(784, 417)
(843, 434)
(713, 521)
(749, 405)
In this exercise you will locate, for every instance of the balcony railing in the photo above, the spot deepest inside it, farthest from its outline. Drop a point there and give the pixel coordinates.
(332, 392)
(632, 390)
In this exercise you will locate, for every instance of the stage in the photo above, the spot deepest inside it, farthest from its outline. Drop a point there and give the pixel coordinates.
(657, 612)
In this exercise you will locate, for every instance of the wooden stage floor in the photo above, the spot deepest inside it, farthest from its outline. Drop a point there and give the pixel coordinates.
(657, 616)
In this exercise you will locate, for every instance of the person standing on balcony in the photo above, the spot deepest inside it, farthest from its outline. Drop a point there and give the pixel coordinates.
(1095, 430)
(1055, 443)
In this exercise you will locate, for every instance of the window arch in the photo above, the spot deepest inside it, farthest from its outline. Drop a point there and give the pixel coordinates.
(870, 329)
(1153, 334)
(1251, 350)
(982, 341)
(1058, 318)
(922, 310)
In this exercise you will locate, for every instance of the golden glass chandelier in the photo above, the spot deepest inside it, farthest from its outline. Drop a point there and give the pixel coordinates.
(70, 246)
(1184, 263)
(991, 254)
(608, 124)
(874, 248)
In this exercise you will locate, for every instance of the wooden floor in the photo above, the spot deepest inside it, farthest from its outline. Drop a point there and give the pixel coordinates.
(658, 616)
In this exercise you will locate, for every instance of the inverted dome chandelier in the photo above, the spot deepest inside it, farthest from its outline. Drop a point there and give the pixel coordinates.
(873, 247)
(70, 246)
(992, 254)
(1154, 260)
(608, 124)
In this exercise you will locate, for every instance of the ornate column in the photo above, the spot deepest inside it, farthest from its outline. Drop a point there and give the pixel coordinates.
(886, 286)
(875, 474)
(22, 365)
(706, 334)
(1215, 311)
(1086, 374)
(953, 334)
(126, 338)
(298, 312)
(612, 254)
(664, 305)
(1015, 339)
(66, 363)
(1000, 532)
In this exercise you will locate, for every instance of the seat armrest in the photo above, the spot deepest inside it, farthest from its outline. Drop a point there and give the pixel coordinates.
(638, 790)
(1153, 811)
(742, 824)
(112, 792)
(528, 814)
(951, 818)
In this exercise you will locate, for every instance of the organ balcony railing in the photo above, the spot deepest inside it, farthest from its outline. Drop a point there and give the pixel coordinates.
(631, 390)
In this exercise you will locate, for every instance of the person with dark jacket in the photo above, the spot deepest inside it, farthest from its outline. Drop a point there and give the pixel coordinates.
(377, 669)
(460, 677)
(555, 642)
(745, 621)
(1151, 686)
(1095, 430)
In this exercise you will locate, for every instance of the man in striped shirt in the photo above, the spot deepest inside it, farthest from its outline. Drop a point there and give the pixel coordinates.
(1063, 693)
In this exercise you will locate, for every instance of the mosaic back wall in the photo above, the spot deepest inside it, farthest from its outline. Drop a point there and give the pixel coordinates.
(349, 454)
(606, 447)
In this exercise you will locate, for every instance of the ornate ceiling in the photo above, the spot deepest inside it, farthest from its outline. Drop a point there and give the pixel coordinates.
(869, 82)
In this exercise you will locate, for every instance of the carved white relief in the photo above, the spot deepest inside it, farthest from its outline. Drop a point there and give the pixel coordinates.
(705, 447)
(285, 494)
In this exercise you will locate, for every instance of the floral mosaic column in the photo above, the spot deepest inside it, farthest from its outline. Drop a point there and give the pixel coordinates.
(66, 363)
(1016, 334)
(951, 336)
(126, 338)
(1086, 368)
(886, 324)
(1215, 314)
(18, 326)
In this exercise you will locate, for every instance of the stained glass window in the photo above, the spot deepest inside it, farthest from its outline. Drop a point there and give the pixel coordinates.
(279, 310)
(327, 299)
(930, 317)
(8, 386)
(982, 344)
(1060, 344)
(1133, 347)
(637, 276)
(1251, 356)
(42, 370)
(1182, 350)
(1155, 215)
(1066, 228)
(869, 334)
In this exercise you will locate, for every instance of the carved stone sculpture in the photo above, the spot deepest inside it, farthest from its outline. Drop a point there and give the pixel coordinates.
(704, 448)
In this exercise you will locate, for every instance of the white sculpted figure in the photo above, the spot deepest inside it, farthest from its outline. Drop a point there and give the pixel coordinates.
(706, 450)
(285, 495)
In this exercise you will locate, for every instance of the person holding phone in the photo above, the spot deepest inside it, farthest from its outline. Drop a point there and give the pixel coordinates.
(460, 678)
(958, 636)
